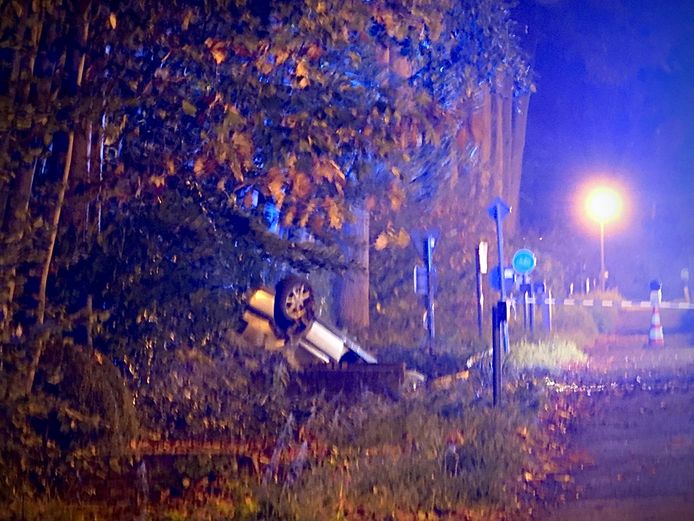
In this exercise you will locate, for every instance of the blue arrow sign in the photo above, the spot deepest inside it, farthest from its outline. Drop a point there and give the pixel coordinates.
(498, 209)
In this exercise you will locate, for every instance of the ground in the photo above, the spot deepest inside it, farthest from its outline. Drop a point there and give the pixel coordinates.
(635, 444)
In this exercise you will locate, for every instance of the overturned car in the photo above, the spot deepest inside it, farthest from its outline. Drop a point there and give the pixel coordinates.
(284, 319)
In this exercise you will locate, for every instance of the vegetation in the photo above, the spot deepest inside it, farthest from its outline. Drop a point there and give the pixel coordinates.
(158, 161)
(576, 322)
(263, 449)
(554, 355)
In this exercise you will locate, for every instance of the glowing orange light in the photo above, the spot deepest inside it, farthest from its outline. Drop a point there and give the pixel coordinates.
(604, 204)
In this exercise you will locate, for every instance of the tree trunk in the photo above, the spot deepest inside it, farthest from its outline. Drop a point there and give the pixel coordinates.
(55, 221)
(520, 120)
(18, 173)
(353, 287)
(77, 207)
(19, 191)
(506, 94)
(19, 195)
(482, 132)
(497, 144)
(352, 290)
(5, 168)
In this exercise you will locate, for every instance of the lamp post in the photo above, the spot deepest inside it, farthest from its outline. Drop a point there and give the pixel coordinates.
(603, 205)
(603, 271)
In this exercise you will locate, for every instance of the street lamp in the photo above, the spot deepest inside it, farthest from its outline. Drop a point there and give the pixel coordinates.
(603, 204)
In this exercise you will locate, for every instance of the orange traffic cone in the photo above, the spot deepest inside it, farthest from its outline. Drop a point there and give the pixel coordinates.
(655, 334)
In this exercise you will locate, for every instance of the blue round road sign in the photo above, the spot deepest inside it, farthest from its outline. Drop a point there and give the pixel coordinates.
(524, 261)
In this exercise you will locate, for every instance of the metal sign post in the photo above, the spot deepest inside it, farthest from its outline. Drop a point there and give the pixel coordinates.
(429, 243)
(496, 357)
(528, 311)
(425, 285)
(498, 211)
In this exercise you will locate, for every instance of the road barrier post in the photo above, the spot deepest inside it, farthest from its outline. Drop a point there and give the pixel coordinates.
(655, 332)
(684, 275)
(528, 308)
(547, 310)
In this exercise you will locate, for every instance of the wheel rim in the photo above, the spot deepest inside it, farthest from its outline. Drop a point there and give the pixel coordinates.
(296, 302)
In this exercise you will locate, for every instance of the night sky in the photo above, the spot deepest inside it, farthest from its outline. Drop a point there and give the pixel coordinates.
(615, 99)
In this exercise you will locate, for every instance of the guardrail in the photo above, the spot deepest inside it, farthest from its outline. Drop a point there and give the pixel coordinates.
(623, 304)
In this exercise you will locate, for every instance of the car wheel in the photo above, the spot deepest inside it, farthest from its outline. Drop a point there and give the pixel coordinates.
(294, 300)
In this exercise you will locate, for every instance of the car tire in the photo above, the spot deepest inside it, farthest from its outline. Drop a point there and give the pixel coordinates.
(294, 304)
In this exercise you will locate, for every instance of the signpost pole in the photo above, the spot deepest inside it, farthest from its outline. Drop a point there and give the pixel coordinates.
(500, 248)
(528, 305)
(498, 211)
(496, 357)
(429, 243)
(425, 282)
(531, 311)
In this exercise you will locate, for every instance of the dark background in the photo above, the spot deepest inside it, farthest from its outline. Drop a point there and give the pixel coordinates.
(614, 99)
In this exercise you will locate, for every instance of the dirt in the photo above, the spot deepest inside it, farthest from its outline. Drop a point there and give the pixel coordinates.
(637, 443)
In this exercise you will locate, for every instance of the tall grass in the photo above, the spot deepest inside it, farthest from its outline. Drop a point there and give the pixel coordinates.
(553, 354)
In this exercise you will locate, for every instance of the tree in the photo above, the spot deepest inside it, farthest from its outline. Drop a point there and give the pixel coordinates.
(145, 143)
(312, 108)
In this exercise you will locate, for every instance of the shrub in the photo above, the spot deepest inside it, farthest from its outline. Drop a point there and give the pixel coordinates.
(308, 458)
(72, 429)
(398, 460)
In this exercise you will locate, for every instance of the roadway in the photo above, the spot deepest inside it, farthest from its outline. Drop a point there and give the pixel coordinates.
(635, 443)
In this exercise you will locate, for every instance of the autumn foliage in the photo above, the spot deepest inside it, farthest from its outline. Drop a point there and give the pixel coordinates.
(159, 159)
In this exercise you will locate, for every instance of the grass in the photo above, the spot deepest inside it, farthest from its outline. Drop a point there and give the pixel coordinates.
(554, 355)
(435, 454)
